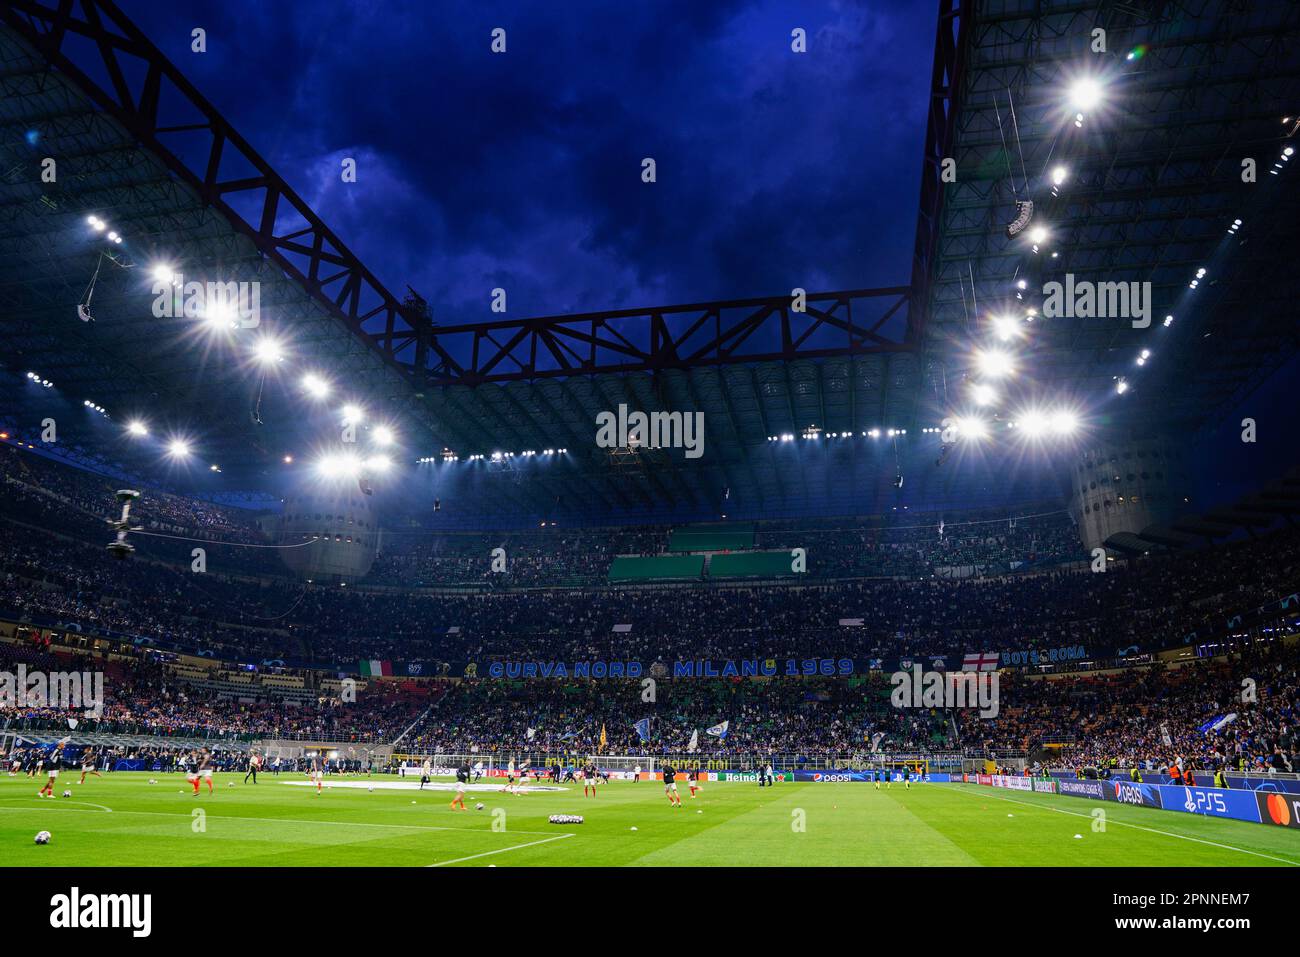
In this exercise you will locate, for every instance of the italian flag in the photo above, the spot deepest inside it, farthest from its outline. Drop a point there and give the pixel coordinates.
(376, 668)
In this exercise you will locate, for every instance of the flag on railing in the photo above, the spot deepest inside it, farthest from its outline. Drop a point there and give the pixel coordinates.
(1219, 723)
(719, 730)
(694, 742)
(980, 661)
(375, 668)
(643, 729)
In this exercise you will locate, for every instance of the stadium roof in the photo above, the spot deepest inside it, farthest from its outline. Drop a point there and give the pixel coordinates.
(1154, 184)
(1151, 191)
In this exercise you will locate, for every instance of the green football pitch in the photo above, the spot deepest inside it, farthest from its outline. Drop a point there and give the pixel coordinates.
(123, 819)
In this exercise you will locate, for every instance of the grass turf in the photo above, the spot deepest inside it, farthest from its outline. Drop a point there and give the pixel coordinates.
(121, 819)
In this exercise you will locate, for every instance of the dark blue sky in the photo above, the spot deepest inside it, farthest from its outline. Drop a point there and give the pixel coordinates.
(522, 170)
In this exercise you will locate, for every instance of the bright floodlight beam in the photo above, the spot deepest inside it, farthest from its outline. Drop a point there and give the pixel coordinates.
(1084, 94)
(379, 463)
(268, 351)
(1064, 423)
(970, 427)
(136, 427)
(1005, 328)
(983, 394)
(345, 465)
(993, 364)
(178, 449)
(383, 435)
(220, 316)
(352, 414)
(1033, 424)
(315, 386)
(163, 273)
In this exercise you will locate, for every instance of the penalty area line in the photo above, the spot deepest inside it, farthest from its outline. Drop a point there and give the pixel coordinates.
(502, 850)
(1136, 827)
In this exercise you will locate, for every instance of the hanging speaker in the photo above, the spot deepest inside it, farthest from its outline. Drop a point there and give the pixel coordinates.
(1024, 213)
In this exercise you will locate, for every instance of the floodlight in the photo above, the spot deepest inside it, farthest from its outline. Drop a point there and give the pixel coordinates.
(1084, 94)
(268, 352)
(993, 364)
(315, 386)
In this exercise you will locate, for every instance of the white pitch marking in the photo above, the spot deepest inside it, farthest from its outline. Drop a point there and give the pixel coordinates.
(446, 786)
(290, 820)
(502, 850)
(61, 804)
(1136, 827)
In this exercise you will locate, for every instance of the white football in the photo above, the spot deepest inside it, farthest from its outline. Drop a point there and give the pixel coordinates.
(370, 787)
(67, 794)
(43, 837)
(479, 806)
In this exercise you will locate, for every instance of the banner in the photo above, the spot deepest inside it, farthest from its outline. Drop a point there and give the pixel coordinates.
(1084, 789)
(751, 776)
(1050, 656)
(833, 776)
(1212, 802)
(1276, 808)
(1138, 795)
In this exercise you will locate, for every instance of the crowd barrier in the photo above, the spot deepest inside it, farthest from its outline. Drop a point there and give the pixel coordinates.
(1258, 806)
(1287, 784)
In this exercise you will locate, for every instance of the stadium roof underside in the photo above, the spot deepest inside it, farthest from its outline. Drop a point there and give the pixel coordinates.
(140, 147)
(1152, 184)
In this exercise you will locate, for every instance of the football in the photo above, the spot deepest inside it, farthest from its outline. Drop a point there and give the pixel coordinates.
(479, 806)
(43, 837)
(67, 794)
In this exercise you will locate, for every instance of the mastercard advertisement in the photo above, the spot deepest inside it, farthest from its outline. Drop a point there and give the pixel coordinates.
(1277, 808)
